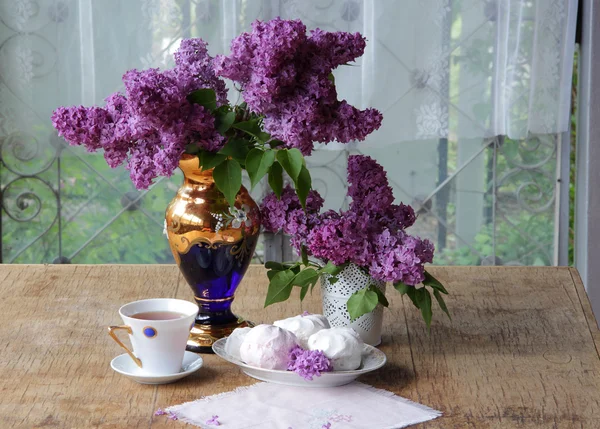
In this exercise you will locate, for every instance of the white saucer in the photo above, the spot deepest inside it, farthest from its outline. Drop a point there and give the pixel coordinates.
(124, 365)
(372, 359)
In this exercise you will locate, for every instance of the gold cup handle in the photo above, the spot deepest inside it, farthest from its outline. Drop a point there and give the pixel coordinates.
(111, 332)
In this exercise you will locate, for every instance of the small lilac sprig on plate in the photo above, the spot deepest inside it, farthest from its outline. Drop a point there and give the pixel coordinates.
(308, 363)
(371, 234)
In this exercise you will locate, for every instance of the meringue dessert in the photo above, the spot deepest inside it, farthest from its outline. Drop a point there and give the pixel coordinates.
(268, 346)
(342, 346)
(235, 340)
(303, 326)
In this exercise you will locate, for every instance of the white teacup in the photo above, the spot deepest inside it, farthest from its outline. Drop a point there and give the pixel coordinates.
(158, 330)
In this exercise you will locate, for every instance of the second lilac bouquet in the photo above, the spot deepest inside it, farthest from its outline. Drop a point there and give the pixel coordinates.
(371, 234)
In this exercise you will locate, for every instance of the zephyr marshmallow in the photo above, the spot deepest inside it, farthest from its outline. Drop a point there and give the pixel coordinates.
(342, 346)
(235, 340)
(268, 346)
(304, 326)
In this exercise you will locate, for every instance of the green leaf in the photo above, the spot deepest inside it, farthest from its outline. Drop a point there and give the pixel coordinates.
(362, 302)
(312, 286)
(331, 78)
(412, 294)
(192, 148)
(290, 265)
(434, 283)
(306, 277)
(276, 178)
(204, 97)
(258, 163)
(224, 122)
(237, 149)
(271, 274)
(424, 300)
(210, 160)
(303, 185)
(303, 293)
(228, 178)
(273, 265)
(264, 137)
(274, 143)
(332, 279)
(380, 296)
(252, 127)
(292, 161)
(441, 302)
(304, 254)
(280, 287)
(402, 287)
(332, 269)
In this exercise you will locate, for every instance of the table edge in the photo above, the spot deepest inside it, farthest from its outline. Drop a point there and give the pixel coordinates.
(587, 308)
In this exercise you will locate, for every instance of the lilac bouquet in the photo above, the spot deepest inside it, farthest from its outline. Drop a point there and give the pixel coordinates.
(290, 102)
(370, 234)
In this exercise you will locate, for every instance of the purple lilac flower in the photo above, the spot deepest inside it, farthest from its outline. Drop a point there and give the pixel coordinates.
(285, 76)
(369, 188)
(150, 126)
(342, 238)
(399, 216)
(141, 162)
(308, 363)
(81, 124)
(400, 257)
(154, 96)
(370, 192)
(286, 214)
(371, 234)
(196, 68)
(116, 139)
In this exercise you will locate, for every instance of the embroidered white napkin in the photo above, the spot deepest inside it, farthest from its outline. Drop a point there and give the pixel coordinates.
(273, 406)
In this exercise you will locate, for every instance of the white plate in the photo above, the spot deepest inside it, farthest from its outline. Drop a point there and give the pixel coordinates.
(124, 365)
(372, 359)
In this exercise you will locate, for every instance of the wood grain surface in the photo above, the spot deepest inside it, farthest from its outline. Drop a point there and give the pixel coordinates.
(520, 352)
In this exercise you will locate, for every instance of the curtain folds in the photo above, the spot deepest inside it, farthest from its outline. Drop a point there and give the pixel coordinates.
(436, 68)
(475, 96)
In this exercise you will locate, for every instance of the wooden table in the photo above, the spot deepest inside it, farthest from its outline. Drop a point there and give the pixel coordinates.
(521, 350)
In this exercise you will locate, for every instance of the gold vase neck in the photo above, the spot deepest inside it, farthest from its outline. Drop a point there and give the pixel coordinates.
(190, 165)
(200, 215)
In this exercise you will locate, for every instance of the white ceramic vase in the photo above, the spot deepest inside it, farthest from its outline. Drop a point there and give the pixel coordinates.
(335, 296)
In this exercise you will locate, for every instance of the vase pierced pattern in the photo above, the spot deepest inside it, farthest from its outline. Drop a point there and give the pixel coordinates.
(335, 296)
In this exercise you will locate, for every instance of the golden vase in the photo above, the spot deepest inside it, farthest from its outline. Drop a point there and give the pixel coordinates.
(213, 245)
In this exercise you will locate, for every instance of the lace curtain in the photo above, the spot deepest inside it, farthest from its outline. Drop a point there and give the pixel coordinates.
(449, 72)
(503, 68)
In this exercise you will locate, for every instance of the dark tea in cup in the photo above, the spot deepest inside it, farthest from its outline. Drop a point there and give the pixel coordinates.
(158, 315)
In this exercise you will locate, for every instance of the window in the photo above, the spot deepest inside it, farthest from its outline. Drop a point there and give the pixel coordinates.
(475, 95)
